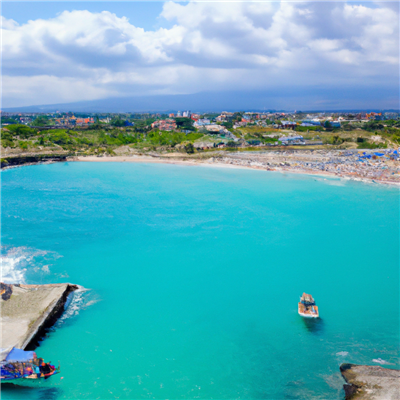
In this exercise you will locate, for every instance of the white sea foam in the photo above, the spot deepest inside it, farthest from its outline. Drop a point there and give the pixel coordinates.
(16, 262)
(342, 353)
(77, 301)
(380, 361)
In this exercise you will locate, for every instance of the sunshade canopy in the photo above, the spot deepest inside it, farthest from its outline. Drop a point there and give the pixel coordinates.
(20, 355)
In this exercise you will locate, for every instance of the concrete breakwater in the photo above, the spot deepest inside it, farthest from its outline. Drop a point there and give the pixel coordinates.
(27, 310)
(370, 382)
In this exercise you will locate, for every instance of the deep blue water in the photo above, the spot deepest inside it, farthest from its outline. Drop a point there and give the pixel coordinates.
(195, 274)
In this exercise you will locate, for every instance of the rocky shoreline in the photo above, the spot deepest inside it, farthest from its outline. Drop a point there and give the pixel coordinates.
(370, 382)
(14, 161)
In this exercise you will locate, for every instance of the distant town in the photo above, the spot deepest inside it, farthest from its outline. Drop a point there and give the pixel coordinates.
(362, 146)
(201, 131)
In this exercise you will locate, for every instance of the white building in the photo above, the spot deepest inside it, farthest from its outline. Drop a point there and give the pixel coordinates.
(201, 122)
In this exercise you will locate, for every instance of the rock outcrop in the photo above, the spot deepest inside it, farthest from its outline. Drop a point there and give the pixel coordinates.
(370, 382)
(31, 158)
(6, 291)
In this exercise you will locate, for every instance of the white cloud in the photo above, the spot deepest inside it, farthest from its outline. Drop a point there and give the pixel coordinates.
(40, 88)
(81, 55)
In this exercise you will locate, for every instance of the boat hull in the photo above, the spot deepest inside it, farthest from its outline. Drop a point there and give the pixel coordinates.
(308, 312)
(29, 382)
(309, 315)
(25, 382)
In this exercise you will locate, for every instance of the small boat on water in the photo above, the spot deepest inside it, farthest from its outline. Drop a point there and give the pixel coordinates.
(307, 307)
(23, 368)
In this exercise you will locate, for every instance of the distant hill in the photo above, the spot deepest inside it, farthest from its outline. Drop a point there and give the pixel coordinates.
(200, 102)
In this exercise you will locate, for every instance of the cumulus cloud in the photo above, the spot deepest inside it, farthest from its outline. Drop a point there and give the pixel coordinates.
(80, 55)
(59, 90)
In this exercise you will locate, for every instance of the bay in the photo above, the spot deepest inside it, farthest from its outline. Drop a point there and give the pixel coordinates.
(195, 274)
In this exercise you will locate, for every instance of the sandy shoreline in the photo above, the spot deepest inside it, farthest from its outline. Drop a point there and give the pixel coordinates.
(155, 160)
(218, 163)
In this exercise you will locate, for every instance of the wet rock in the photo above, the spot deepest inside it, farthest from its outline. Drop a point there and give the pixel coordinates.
(6, 291)
(370, 382)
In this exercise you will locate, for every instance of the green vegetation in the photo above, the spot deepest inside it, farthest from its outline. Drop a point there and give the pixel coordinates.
(261, 135)
(308, 128)
(7, 120)
(189, 148)
(228, 125)
(22, 131)
(96, 139)
(101, 137)
(231, 145)
(369, 145)
(40, 121)
(117, 122)
(373, 126)
(185, 124)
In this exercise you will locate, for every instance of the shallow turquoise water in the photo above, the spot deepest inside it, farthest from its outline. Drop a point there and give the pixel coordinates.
(195, 274)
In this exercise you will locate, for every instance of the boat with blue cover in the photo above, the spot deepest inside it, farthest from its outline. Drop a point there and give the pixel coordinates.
(24, 368)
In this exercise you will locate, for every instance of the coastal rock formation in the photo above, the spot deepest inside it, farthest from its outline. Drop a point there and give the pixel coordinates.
(30, 159)
(27, 310)
(366, 382)
(6, 291)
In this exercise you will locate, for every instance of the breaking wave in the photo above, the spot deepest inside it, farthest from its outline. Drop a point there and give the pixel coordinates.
(17, 263)
(382, 362)
(27, 265)
(77, 301)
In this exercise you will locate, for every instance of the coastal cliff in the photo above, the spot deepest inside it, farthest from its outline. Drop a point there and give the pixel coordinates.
(27, 310)
(9, 161)
(370, 382)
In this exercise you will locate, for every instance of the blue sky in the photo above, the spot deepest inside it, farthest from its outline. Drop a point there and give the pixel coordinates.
(310, 55)
(139, 13)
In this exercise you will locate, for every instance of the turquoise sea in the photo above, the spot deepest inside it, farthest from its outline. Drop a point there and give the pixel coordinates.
(195, 274)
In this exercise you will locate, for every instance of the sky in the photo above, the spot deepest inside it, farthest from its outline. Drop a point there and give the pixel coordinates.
(293, 55)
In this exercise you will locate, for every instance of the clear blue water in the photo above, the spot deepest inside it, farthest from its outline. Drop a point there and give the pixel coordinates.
(195, 274)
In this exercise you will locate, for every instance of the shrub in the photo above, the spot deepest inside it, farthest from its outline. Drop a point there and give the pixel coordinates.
(369, 145)
(60, 137)
(7, 143)
(22, 131)
(23, 145)
(189, 148)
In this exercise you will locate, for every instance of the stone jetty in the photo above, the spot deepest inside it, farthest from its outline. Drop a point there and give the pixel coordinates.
(370, 382)
(27, 310)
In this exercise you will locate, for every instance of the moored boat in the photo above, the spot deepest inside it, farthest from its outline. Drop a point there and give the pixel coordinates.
(307, 306)
(22, 367)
